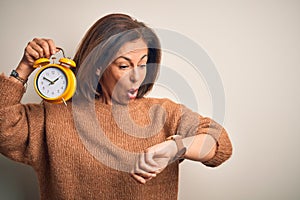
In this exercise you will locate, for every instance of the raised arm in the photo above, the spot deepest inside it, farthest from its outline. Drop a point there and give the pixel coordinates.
(21, 126)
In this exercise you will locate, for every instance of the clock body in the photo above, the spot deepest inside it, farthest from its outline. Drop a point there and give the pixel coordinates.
(55, 83)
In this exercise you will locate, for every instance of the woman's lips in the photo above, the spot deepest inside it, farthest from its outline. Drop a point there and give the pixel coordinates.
(132, 93)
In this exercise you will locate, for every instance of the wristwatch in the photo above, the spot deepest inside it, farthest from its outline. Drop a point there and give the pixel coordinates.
(15, 74)
(181, 149)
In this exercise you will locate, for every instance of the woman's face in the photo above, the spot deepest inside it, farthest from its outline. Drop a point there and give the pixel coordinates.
(123, 77)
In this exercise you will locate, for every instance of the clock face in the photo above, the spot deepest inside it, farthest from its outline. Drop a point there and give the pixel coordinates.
(51, 82)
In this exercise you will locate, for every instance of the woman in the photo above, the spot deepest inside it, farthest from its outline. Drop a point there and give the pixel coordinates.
(109, 142)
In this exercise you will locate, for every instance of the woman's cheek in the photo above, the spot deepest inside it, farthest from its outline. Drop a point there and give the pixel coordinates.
(142, 75)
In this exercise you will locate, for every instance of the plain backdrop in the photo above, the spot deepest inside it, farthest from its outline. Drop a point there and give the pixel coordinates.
(255, 47)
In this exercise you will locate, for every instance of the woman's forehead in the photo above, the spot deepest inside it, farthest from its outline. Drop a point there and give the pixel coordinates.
(133, 48)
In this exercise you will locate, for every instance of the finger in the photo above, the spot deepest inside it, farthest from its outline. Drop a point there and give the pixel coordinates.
(138, 178)
(37, 48)
(31, 54)
(159, 171)
(144, 166)
(146, 179)
(52, 46)
(44, 45)
(142, 169)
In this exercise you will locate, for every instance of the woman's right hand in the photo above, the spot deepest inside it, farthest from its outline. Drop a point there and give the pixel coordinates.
(35, 49)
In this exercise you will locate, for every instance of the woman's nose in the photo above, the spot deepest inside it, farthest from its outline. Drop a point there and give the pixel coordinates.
(134, 75)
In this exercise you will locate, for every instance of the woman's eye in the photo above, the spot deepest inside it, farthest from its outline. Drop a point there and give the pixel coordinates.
(143, 65)
(123, 66)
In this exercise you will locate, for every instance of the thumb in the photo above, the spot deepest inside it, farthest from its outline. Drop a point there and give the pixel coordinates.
(149, 157)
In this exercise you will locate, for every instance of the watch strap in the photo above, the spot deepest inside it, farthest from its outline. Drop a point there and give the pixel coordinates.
(15, 74)
(181, 149)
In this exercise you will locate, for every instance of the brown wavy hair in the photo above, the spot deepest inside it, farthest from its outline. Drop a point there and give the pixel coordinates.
(100, 45)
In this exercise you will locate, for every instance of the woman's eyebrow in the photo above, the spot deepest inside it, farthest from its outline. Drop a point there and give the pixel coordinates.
(129, 60)
(143, 57)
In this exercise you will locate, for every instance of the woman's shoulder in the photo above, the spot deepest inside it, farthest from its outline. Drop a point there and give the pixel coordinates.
(160, 101)
(168, 104)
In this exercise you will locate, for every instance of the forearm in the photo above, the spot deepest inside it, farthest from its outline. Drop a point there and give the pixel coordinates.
(214, 150)
(200, 147)
(12, 115)
(21, 126)
(24, 70)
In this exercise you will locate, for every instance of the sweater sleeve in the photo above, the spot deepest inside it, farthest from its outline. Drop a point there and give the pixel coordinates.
(192, 123)
(21, 126)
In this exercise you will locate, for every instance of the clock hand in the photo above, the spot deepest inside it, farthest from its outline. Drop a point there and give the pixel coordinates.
(56, 79)
(51, 82)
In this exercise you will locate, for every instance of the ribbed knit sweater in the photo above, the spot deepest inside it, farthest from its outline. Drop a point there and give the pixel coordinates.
(84, 151)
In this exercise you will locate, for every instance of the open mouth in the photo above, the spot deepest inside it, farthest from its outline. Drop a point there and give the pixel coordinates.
(132, 93)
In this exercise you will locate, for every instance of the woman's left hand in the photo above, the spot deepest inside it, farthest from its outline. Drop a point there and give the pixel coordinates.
(154, 160)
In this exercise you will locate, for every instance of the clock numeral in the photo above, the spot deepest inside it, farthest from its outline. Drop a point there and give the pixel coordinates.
(53, 72)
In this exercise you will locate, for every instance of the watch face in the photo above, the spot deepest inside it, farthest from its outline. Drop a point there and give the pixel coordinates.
(51, 82)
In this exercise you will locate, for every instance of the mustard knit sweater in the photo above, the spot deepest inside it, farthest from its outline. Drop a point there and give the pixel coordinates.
(82, 151)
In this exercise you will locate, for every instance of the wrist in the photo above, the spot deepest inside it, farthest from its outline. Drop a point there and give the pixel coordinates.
(173, 148)
(24, 70)
(17, 78)
(180, 148)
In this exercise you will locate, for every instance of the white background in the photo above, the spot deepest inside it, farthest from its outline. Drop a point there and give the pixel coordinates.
(255, 46)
